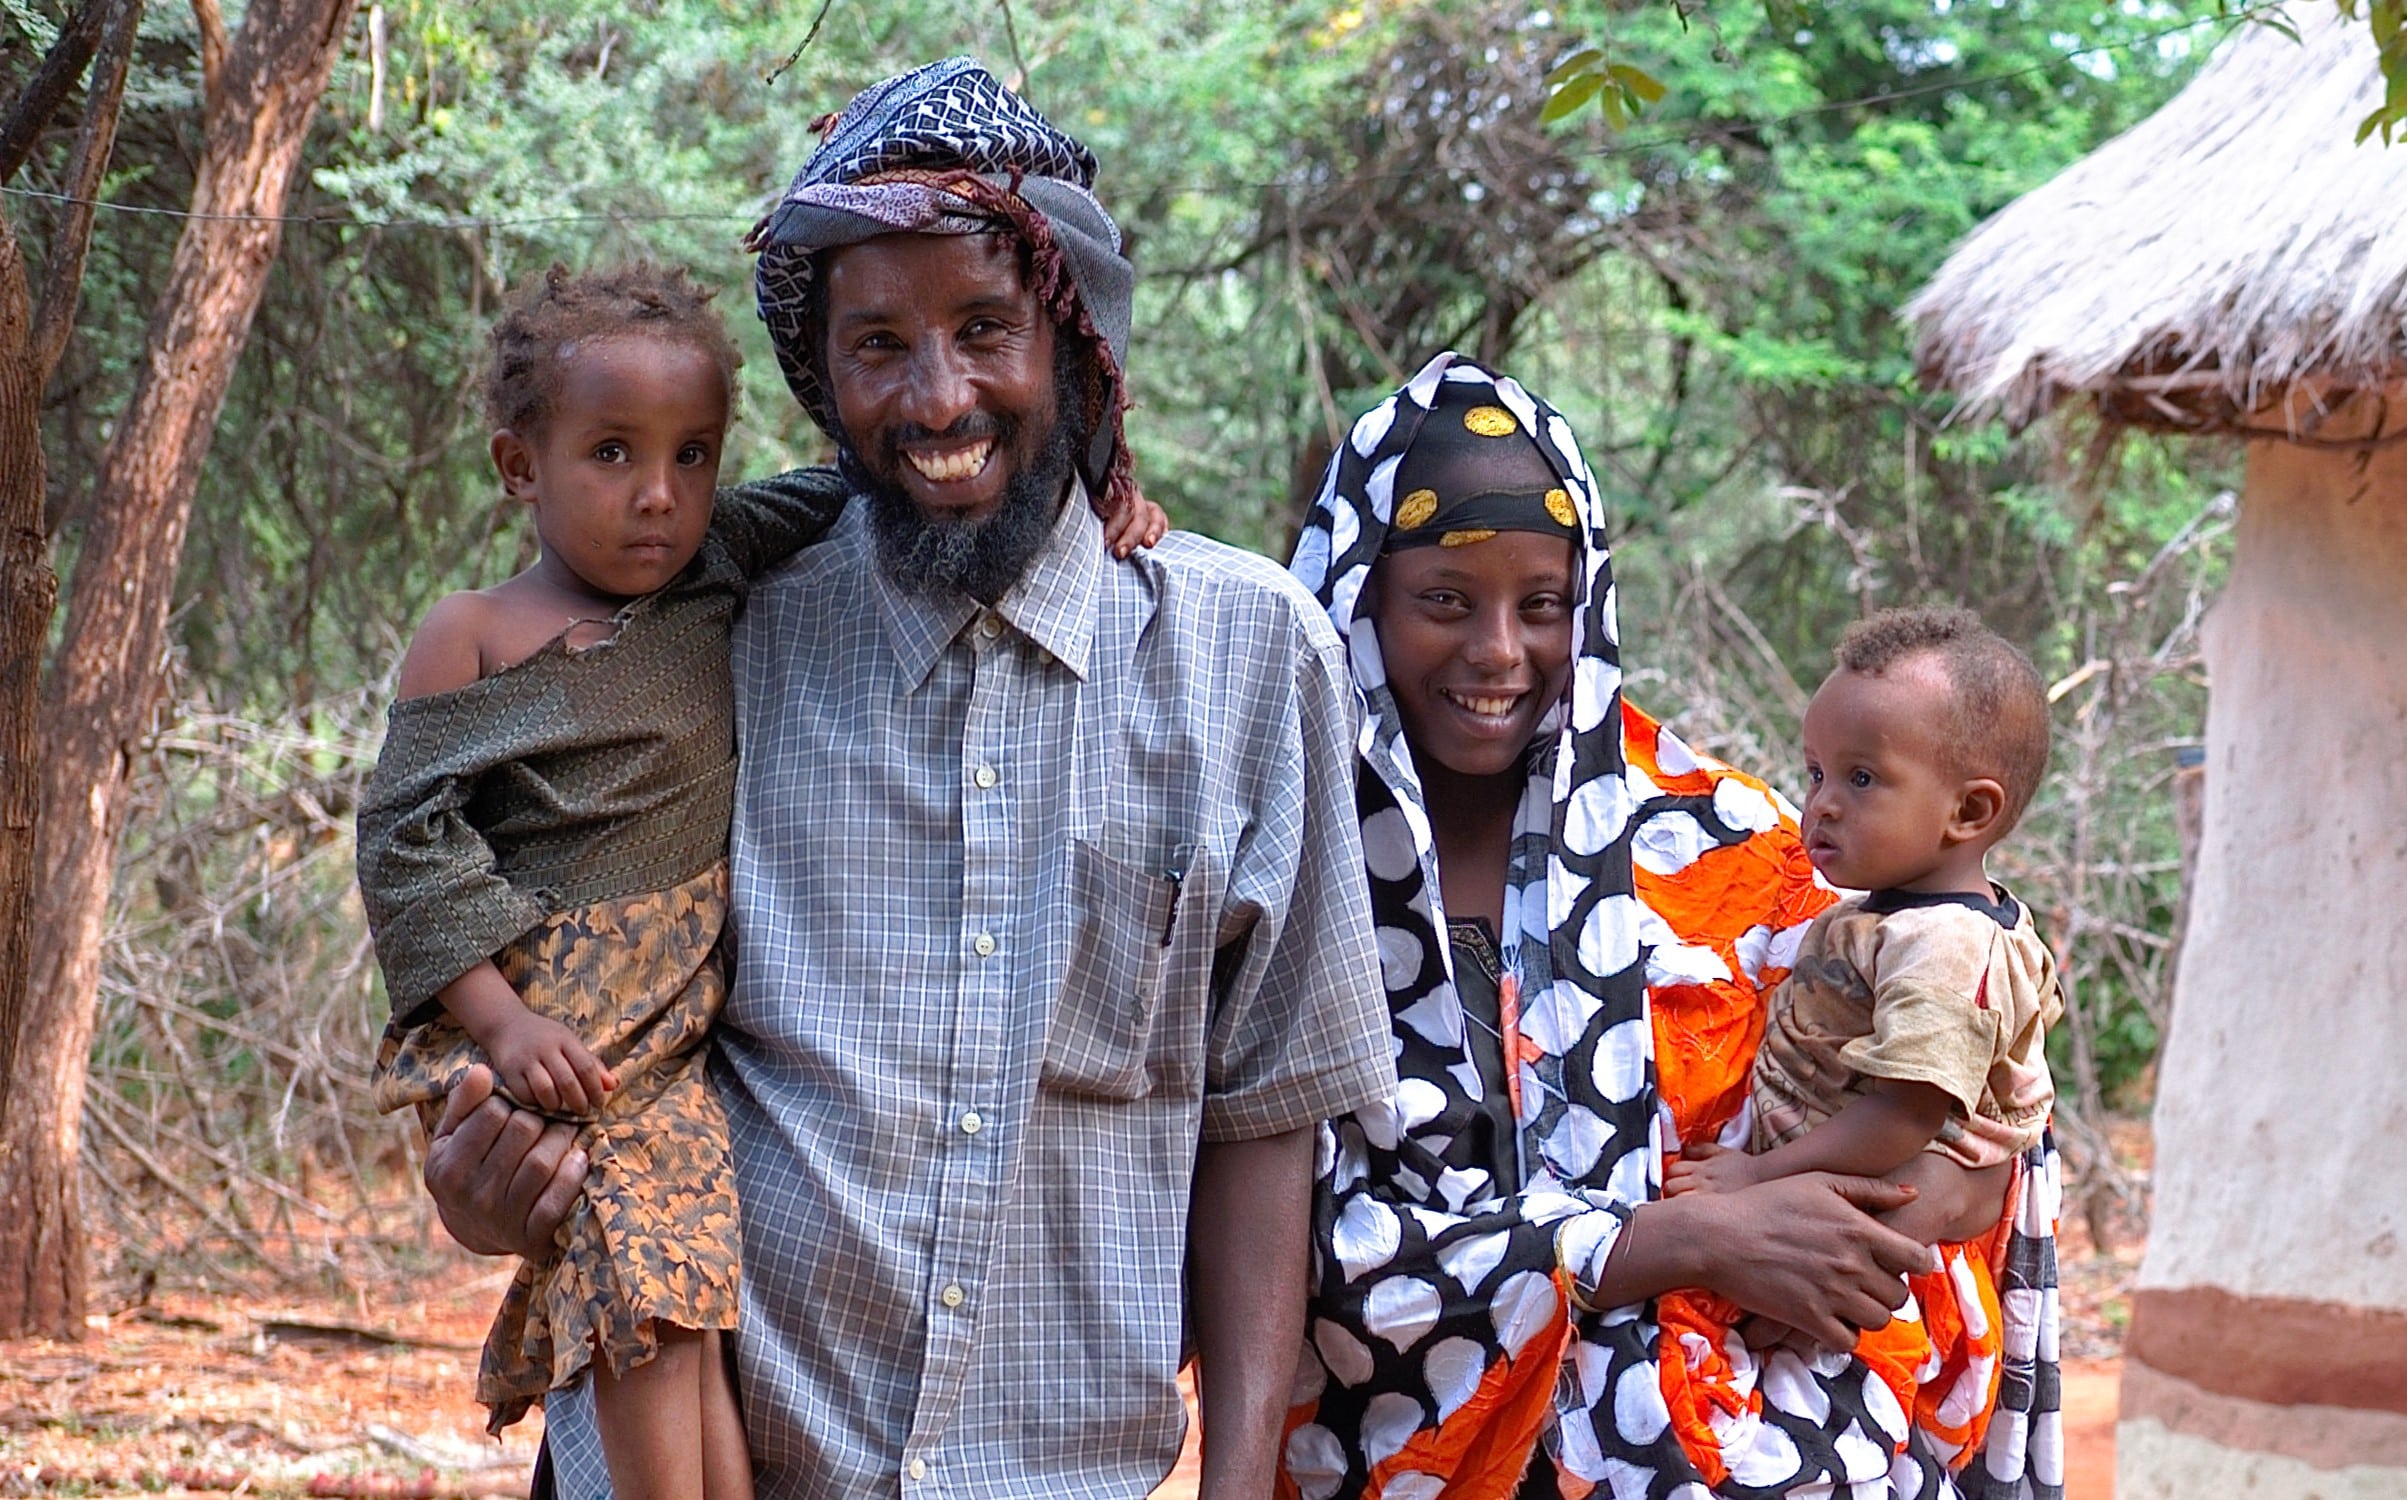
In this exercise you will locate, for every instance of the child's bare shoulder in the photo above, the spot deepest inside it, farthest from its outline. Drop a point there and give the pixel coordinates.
(448, 651)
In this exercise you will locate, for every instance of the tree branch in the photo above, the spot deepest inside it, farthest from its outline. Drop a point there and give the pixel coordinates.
(62, 282)
(52, 82)
(212, 22)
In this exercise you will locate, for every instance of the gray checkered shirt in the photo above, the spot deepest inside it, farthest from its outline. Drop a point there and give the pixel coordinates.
(1029, 901)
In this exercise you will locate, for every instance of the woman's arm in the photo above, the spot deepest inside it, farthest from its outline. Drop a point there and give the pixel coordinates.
(1806, 1251)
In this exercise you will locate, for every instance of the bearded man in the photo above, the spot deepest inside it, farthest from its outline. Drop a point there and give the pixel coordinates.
(1053, 945)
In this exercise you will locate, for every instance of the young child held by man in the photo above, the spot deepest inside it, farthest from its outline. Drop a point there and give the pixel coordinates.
(1915, 1016)
(543, 849)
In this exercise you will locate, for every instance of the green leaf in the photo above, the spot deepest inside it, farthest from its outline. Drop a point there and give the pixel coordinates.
(1642, 85)
(2274, 20)
(1578, 62)
(1571, 96)
(35, 25)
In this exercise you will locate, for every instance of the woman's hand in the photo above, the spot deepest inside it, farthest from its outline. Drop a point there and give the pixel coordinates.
(503, 1179)
(1805, 1251)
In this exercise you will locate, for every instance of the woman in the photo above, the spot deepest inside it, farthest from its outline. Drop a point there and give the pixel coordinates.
(1540, 859)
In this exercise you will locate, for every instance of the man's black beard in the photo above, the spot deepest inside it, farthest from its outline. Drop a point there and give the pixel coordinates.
(933, 555)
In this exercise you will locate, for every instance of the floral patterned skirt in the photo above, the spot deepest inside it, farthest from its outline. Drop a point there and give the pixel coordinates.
(640, 979)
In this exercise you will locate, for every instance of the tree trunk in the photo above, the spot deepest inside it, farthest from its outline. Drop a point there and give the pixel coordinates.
(30, 342)
(263, 88)
(28, 590)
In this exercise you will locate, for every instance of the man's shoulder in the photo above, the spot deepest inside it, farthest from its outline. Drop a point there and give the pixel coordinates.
(1210, 584)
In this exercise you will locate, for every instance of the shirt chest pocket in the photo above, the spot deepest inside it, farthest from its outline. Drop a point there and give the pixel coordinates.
(1102, 1035)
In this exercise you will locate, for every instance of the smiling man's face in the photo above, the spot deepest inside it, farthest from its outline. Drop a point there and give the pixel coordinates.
(940, 361)
(944, 372)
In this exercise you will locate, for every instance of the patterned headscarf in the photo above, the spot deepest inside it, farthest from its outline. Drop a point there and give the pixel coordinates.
(946, 149)
(1472, 471)
(1450, 1323)
(1571, 922)
(1437, 1284)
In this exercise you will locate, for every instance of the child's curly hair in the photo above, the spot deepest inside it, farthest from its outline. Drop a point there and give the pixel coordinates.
(640, 299)
(1998, 723)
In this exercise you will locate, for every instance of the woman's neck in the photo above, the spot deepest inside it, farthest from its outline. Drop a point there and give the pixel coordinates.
(1471, 822)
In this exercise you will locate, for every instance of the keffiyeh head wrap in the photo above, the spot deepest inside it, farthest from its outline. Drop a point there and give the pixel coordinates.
(1653, 898)
(946, 149)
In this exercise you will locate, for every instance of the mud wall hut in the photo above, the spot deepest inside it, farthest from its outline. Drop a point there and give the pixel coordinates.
(2235, 265)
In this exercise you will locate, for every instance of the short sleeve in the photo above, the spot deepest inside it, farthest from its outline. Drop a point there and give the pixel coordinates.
(1299, 1021)
(1933, 1020)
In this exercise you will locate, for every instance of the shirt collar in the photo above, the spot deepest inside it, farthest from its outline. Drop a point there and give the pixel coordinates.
(1052, 603)
(2004, 910)
(917, 625)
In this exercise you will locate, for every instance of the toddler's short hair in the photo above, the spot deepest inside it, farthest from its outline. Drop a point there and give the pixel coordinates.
(1998, 708)
(641, 299)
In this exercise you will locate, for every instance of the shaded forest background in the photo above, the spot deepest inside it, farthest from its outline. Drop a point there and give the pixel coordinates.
(1317, 195)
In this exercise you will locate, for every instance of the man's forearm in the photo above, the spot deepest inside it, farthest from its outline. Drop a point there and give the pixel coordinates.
(1248, 1249)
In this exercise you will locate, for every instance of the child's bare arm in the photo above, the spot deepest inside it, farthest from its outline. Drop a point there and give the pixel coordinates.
(540, 1061)
(1878, 1132)
(1952, 1201)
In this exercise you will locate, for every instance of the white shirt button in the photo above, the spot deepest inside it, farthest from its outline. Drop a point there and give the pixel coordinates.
(951, 1296)
(972, 1122)
(983, 945)
(990, 626)
(917, 1468)
(985, 776)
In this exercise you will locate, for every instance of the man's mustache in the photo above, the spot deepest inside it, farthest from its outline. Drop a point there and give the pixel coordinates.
(972, 427)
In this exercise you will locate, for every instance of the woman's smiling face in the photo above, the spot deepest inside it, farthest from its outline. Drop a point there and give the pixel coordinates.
(1477, 641)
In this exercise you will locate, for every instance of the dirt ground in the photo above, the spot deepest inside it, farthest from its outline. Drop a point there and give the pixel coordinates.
(194, 1393)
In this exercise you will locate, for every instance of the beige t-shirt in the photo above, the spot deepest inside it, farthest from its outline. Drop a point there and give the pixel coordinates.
(1947, 990)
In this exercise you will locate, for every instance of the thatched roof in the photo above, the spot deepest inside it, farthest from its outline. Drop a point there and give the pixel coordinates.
(2233, 261)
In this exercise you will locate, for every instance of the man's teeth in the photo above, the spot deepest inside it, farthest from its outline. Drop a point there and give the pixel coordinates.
(1494, 708)
(959, 463)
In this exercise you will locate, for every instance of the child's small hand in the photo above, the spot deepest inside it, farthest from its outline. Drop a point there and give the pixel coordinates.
(1763, 1335)
(1139, 524)
(544, 1064)
(1704, 1167)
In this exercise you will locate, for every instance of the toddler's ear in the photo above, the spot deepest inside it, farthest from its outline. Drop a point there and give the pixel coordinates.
(514, 460)
(1980, 809)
